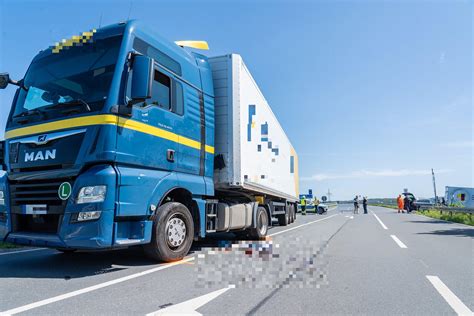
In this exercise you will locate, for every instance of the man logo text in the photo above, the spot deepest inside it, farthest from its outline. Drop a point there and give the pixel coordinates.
(40, 155)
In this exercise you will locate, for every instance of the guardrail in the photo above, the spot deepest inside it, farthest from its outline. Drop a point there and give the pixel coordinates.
(451, 210)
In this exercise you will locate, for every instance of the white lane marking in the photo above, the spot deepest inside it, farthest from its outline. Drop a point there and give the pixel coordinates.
(449, 296)
(309, 223)
(189, 307)
(381, 223)
(423, 263)
(90, 288)
(21, 251)
(398, 241)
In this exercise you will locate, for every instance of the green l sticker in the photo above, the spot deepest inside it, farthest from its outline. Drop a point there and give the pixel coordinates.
(64, 190)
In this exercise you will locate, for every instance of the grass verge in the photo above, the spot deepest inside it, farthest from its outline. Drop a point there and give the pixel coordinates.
(462, 218)
(385, 205)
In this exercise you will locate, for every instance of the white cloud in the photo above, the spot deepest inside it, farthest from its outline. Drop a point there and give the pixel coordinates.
(459, 144)
(442, 57)
(371, 174)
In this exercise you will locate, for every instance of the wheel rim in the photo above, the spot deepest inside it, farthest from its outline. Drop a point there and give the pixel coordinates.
(262, 223)
(175, 232)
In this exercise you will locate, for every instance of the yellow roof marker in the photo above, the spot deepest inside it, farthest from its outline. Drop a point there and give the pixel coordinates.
(193, 44)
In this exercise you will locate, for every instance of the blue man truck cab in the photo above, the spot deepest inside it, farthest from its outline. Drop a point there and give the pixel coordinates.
(110, 143)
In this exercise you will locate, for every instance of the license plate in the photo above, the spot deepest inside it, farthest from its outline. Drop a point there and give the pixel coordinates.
(35, 209)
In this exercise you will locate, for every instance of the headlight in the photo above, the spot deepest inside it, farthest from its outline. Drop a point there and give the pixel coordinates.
(2, 198)
(85, 216)
(93, 194)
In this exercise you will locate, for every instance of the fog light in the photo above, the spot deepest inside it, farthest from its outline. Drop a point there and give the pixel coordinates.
(93, 194)
(88, 216)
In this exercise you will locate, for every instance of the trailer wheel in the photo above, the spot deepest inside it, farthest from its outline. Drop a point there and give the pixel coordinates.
(261, 229)
(283, 219)
(172, 234)
(292, 214)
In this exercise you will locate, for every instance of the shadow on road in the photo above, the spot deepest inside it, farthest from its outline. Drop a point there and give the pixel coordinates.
(434, 221)
(75, 265)
(460, 232)
(57, 265)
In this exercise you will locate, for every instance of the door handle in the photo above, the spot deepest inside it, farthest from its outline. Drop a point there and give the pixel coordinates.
(170, 155)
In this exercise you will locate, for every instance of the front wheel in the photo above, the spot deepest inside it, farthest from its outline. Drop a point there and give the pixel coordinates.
(262, 220)
(173, 232)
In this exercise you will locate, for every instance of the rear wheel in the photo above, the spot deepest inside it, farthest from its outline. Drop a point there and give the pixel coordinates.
(290, 212)
(173, 232)
(283, 219)
(262, 220)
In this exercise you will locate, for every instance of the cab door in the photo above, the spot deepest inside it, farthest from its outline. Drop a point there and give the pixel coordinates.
(149, 137)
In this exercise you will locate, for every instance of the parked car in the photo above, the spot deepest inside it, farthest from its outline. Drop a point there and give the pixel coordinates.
(322, 208)
(423, 203)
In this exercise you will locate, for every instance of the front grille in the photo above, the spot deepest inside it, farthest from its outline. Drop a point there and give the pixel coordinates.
(37, 192)
(45, 224)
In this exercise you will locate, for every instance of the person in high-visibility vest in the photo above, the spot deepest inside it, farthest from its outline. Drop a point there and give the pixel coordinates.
(303, 206)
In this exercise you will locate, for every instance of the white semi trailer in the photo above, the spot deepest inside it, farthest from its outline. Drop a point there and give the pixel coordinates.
(253, 153)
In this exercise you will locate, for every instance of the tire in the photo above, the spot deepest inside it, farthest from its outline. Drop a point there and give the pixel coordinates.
(283, 219)
(172, 233)
(260, 231)
(66, 250)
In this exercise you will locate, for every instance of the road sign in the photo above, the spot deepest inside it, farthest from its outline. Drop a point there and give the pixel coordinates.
(324, 198)
(64, 190)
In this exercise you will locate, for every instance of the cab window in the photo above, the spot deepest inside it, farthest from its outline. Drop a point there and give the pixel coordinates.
(166, 93)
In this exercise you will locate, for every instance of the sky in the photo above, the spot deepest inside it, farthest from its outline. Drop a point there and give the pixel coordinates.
(372, 94)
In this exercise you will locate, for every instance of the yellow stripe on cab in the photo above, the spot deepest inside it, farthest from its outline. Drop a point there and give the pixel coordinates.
(106, 119)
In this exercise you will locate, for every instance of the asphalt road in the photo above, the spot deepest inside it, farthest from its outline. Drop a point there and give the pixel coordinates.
(337, 263)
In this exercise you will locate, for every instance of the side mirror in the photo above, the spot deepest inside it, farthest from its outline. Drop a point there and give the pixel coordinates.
(142, 78)
(4, 80)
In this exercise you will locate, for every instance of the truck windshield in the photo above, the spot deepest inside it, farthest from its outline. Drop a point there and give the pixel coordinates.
(75, 80)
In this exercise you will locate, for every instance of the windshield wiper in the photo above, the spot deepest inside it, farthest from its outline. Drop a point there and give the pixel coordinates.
(71, 103)
(29, 112)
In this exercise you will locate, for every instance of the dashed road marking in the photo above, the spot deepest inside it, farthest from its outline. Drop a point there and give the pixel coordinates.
(449, 296)
(381, 223)
(398, 241)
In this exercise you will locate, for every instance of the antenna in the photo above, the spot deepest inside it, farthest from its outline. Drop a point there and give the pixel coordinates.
(100, 20)
(129, 10)
(434, 186)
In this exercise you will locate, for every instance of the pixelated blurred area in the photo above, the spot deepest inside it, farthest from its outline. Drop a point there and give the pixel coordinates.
(76, 40)
(262, 264)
